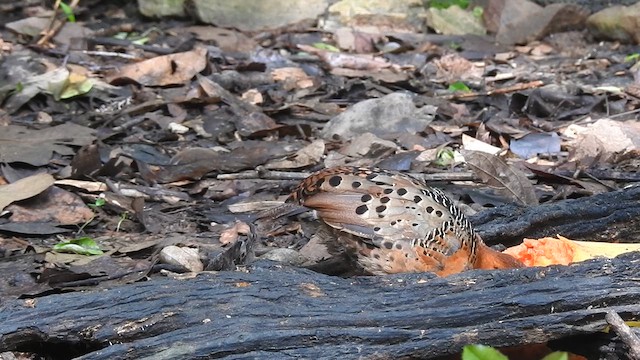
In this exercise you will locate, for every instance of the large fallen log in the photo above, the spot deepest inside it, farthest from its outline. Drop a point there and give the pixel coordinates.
(611, 216)
(271, 311)
(274, 311)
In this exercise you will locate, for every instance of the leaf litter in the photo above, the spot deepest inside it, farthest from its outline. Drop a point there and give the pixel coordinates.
(185, 137)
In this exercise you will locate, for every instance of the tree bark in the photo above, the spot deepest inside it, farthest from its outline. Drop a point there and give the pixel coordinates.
(271, 311)
(612, 216)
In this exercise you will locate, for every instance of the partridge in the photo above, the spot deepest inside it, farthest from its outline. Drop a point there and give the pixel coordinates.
(390, 222)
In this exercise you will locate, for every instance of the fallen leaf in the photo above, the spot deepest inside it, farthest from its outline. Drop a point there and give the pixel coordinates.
(230, 235)
(308, 155)
(35, 147)
(473, 144)
(57, 206)
(24, 188)
(80, 246)
(506, 179)
(164, 70)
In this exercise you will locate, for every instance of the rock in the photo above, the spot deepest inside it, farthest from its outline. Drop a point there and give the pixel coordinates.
(522, 21)
(160, 8)
(186, 257)
(287, 256)
(454, 21)
(370, 15)
(395, 112)
(592, 5)
(249, 15)
(618, 23)
(244, 15)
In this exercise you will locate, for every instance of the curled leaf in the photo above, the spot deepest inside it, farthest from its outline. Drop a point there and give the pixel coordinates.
(81, 246)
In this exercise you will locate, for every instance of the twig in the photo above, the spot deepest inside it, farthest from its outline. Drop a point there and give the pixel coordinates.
(624, 332)
(504, 90)
(128, 43)
(111, 54)
(268, 175)
(290, 175)
(54, 27)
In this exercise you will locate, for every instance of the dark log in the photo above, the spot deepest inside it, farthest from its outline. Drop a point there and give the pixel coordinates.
(612, 216)
(271, 311)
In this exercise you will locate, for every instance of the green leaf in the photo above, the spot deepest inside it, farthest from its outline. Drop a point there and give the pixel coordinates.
(98, 203)
(81, 246)
(76, 88)
(455, 46)
(445, 157)
(632, 57)
(443, 4)
(478, 11)
(323, 46)
(140, 41)
(18, 88)
(68, 12)
(481, 352)
(557, 355)
(121, 35)
(459, 86)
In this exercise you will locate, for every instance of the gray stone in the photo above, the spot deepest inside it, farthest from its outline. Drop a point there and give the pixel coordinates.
(250, 15)
(392, 113)
(618, 23)
(160, 8)
(286, 256)
(522, 21)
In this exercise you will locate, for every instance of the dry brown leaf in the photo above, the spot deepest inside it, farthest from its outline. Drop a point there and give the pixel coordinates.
(603, 140)
(473, 144)
(24, 188)
(230, 235)
(292, 77)
(308, 155)
(453, 67)
(173, 69)
(90, 186)
(36, 147)
(349, 61)
(506, 179)
(56, 205)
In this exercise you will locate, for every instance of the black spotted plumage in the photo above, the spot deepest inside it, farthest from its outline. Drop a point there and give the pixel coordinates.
(382, 208)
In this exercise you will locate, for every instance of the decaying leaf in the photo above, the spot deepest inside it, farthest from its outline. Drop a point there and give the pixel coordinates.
(57, 206)
(164, 70)
(24, 188)
(230, 235)
(35, 147)
(506, 179)
(349, 61)
(308, 155)
(473, 144)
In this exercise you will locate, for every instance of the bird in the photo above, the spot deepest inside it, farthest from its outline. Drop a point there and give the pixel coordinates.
(389, 222)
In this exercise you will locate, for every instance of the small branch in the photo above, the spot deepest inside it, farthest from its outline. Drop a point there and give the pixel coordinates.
(292, 175)
(625, 333)
(501, 91)
(54, 27)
